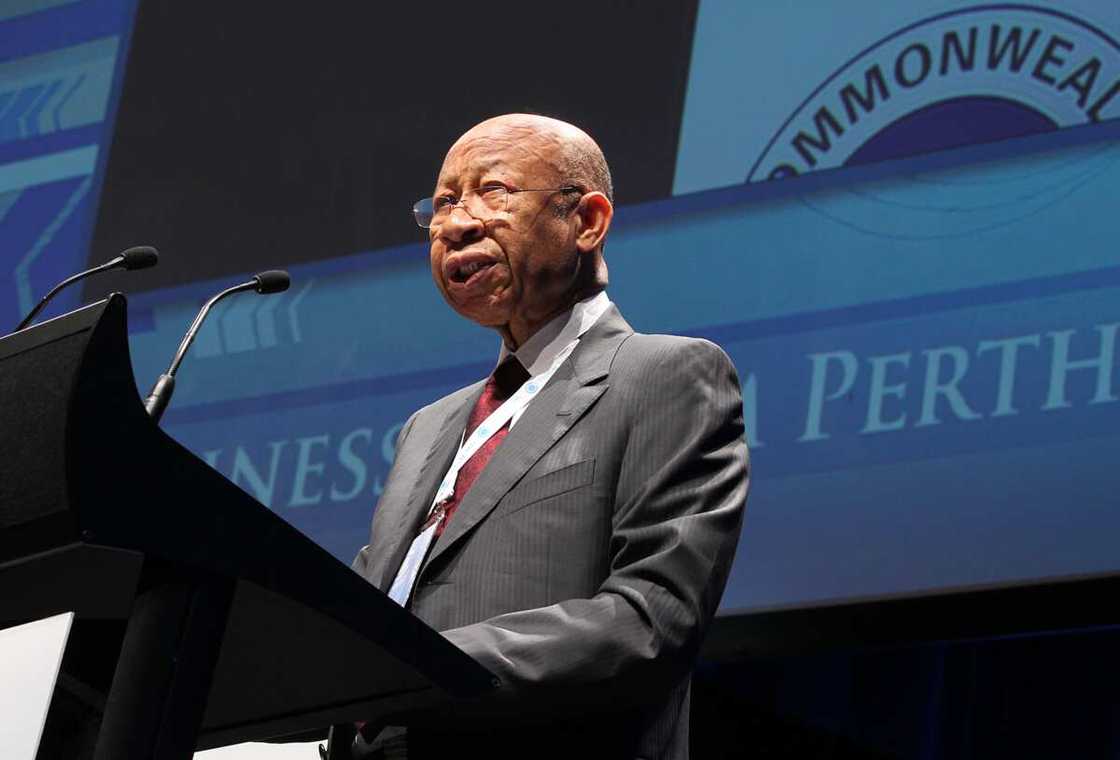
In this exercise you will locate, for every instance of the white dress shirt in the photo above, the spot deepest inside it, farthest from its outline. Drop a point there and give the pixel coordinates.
(543, 346)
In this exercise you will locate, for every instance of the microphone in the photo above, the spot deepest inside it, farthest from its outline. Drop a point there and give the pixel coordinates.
(137, 257)
(272, 281)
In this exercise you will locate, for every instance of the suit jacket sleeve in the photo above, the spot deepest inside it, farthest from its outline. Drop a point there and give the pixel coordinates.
(677, 512)
(361, 560)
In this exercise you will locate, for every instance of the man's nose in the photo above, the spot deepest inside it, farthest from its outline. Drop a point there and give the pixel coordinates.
(460, 225)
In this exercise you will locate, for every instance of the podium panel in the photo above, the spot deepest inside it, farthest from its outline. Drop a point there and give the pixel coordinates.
(30, 657)
(201, 618)
(262, 751)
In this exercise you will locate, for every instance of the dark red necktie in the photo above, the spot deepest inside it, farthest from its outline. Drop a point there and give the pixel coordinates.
(507, 378)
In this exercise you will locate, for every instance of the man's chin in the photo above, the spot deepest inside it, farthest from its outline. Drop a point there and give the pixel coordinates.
(490, 317)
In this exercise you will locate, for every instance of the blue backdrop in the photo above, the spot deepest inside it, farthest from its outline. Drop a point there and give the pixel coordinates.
(921, 304)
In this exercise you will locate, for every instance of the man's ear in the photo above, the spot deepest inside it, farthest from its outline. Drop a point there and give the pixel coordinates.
(594, 215)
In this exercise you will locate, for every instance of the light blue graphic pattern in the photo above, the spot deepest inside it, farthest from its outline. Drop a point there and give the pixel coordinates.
(59, 66)
(27, 298)
(62, 89)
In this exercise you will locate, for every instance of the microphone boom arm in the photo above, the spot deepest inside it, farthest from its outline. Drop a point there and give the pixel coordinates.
(196, 325)
(54, 291)
(137, 257)
(160, 396)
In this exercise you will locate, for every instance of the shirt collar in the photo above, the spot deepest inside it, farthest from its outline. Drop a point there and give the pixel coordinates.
(537, 353)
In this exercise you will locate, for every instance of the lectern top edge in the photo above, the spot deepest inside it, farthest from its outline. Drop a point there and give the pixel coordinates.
(54, 328)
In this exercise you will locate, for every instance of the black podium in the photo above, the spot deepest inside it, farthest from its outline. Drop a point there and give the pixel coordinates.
(201, 618)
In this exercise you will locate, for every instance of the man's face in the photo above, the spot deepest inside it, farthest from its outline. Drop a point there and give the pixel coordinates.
(513, 269)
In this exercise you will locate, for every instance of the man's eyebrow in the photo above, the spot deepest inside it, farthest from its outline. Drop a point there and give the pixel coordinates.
(493, 171)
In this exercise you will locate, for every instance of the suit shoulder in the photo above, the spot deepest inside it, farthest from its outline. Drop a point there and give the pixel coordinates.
(641, 351)
(451, 401)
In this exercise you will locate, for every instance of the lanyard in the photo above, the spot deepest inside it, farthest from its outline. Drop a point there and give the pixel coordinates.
(495, 422)
(410, 567)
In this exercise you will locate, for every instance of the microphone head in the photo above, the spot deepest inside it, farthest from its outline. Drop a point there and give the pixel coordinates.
(272, 281)
(139, 257)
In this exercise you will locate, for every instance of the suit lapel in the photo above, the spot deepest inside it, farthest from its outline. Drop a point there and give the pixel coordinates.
(405, 523)
(570, 393)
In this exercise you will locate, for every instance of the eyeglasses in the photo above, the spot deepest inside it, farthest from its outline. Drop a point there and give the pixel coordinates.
(488, 199)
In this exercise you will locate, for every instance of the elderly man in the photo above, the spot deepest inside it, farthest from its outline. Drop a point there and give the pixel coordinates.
(570, 521)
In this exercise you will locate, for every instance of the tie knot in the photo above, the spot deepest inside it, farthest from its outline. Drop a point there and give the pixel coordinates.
(509, 376)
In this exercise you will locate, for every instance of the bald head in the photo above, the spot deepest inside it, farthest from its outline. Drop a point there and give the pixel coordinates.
(575, 156)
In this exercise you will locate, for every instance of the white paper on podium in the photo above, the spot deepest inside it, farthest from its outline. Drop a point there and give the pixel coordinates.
(30, 656)
(259, 751)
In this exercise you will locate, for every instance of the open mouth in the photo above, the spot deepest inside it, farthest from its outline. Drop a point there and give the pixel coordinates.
(467, 272)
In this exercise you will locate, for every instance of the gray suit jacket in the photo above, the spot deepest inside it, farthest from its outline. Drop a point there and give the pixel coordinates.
(586, 561)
